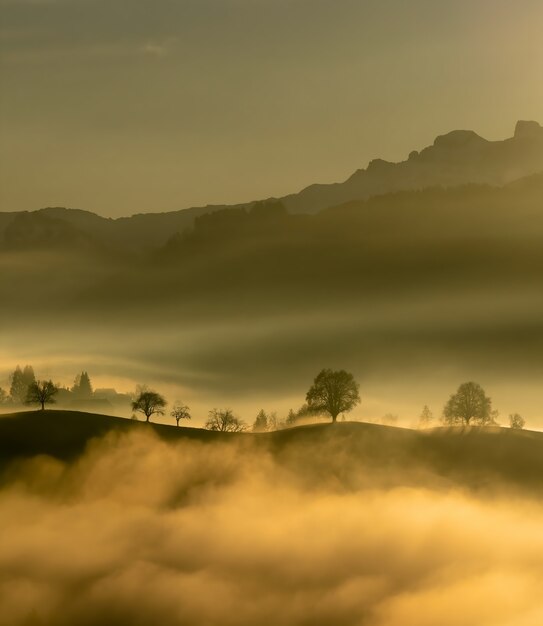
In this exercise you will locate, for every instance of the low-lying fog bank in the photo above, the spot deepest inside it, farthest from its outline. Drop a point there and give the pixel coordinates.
(141, 531)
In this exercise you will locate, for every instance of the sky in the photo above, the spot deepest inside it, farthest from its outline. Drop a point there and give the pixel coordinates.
(127, 106)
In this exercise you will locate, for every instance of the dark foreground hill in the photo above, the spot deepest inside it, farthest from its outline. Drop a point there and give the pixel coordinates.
(347, 454)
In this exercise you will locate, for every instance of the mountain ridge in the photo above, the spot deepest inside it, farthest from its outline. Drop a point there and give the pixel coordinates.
(456, 158)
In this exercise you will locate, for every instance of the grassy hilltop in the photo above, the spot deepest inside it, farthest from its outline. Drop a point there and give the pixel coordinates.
(347, 453)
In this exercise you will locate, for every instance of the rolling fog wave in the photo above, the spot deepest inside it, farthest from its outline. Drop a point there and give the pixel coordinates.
(140, 532)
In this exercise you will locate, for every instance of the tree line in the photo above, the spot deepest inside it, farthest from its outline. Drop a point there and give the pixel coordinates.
(25, 388)
(469, 406)
(332, 393)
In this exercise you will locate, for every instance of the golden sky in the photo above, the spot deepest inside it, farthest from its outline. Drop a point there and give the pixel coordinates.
(125, 106)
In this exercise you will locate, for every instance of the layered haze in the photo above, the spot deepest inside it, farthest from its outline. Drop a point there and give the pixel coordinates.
(413, 292)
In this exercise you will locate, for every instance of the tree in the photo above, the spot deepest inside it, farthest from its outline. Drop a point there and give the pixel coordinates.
(82, 386)
(149, 403)
(224, 420)
(3, 396)
(426, 417)
(20, 383)
(274, 423)
(261, 422)
(41, 392)
(517, 421)
(180, 412)
(291, 418)
(333, 393)
(468, 403)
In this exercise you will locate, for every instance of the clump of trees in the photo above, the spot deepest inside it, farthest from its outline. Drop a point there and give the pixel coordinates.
(333, 392)
(81, 392)
(82, 387)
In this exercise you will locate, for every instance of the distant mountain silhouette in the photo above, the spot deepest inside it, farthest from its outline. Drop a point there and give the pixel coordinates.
(455, 159)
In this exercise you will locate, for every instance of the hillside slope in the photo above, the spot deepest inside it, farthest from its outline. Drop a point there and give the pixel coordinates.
(349, 454)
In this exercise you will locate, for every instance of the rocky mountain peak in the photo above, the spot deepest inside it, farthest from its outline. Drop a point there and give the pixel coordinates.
(528, 129)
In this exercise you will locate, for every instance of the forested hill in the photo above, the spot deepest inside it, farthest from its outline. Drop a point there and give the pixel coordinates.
(471, 236)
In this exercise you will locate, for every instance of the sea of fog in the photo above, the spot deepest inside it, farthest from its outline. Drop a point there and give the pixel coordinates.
(139, 532)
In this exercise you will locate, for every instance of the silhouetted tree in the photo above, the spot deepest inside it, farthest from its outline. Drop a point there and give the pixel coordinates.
(468, 403)
(333, 392)
(517, 421)
(224, 421)
(20, 383)
(82, 386)
(180, 412)
(3, 396)
(41, 392)
(291, 418)
(149, 403)
(261, 422)
(426, 417)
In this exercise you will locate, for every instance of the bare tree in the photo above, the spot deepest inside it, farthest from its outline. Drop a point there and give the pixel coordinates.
(517, 421)
(225, 421)
(468, 403)
(41, 392)
(180, 412)
(333, 392)
(149, 403)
